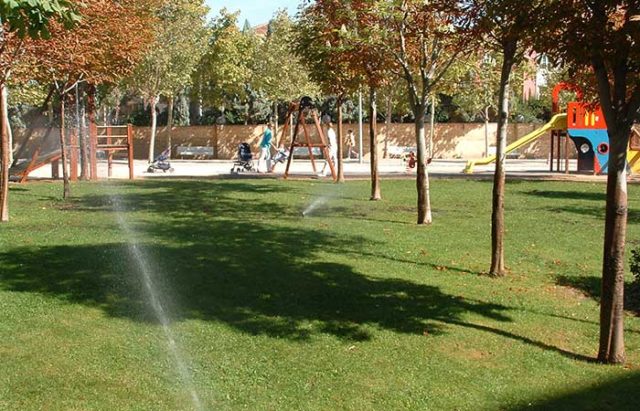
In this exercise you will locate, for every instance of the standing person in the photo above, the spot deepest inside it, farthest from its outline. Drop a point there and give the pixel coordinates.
(332, 148)
(265, 147)
(351, 143)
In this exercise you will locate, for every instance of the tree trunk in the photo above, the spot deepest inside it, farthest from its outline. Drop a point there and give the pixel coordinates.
(275, 120)
(91, 116)
(422, 179)
(340, 143)
(83, 140)
(170, 122)
(153, 102)
(432, 125)
(612, 298)
(66, 193)
(373, 144)
(8, 125)
(84, 169)
(619, 113)
(4, 152)
(499, 177)
(387, 126)
(50, 112)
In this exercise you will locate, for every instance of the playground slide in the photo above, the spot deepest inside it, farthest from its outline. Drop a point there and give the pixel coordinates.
(559, 121)
(21, 168)
(633, 159)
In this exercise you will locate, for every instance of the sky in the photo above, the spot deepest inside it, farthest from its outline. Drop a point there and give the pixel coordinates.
(256, 11)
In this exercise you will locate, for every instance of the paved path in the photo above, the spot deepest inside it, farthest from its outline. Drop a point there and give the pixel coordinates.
(391, 168)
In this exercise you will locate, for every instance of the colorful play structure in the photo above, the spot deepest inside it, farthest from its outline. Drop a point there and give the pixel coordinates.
(582, 124)
(42, 147)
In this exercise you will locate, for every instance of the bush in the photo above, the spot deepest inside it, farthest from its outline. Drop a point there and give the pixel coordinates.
(632, 292)
(635, 265)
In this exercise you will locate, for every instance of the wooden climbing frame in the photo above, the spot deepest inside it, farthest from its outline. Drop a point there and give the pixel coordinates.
(110, 139)
(300, 112)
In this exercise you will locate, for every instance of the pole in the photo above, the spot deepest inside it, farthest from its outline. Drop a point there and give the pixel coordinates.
(93, 131)
(486, 131)
(360, 128)
(433, 121)
(566, 154)
(84, 170)
(553, 137)
(130, 150)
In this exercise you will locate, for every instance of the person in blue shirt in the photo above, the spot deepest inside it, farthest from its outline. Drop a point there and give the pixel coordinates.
(265, 147)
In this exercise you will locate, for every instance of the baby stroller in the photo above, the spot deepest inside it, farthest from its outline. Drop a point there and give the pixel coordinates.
(161, 162)
(281, 156)
(244, 162)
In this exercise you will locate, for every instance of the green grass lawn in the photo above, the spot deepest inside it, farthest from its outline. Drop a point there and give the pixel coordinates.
(353, 307)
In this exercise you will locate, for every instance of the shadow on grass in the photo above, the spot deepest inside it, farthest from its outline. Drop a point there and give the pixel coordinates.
(590, 286)
(567, 195)
(633, 216)
(526, 340)
(220, 253)
(262, 291)
(597, 211)
(188, 199)
(574, 319)
(615, 395)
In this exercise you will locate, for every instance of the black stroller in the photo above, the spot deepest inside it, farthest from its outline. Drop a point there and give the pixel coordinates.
(244, 161)
(161, 162)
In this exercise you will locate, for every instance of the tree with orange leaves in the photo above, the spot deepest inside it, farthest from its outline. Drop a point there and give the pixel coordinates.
(418, 42)
(20, 21)
(340, 39)
(102, 48)
(329, 57)
(602, 38)
(507, 27)
(376, 64)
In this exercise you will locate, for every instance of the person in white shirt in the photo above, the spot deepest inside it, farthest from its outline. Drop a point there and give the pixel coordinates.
(332, 148)
(351, 144)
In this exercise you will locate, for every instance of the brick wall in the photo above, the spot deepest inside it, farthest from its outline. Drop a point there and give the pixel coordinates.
(451, 140)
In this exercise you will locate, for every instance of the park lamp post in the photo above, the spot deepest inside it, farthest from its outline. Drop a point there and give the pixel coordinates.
(360, 131)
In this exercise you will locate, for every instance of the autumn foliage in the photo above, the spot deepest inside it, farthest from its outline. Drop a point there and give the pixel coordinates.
(103, 47)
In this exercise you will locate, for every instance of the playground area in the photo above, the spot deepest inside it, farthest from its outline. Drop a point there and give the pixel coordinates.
(361, 205)
(392, 168)
(578, 136)
(350, 307)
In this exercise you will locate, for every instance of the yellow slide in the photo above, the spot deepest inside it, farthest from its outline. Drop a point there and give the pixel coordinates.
(633, 158)
(558, 122)
(633, 154)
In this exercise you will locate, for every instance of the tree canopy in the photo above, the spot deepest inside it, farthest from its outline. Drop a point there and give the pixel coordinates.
(103, 46)
(32, 17)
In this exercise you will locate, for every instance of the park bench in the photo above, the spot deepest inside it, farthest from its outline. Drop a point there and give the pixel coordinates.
(194, 151)
(399, 151)
(514, 155)
(303, 152)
